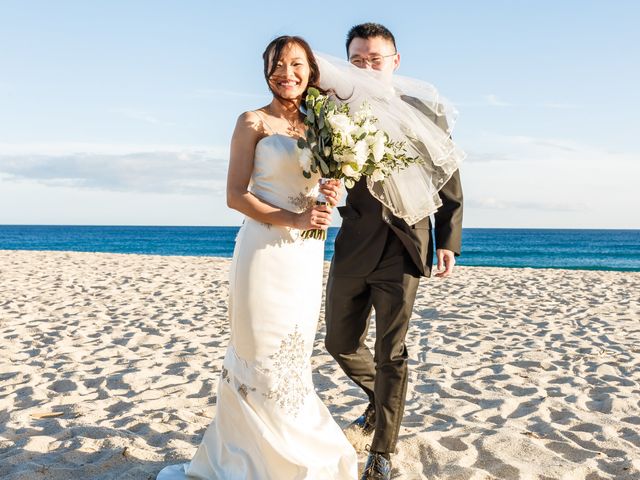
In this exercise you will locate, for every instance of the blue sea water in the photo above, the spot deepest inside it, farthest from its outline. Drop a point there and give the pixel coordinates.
(536, 248)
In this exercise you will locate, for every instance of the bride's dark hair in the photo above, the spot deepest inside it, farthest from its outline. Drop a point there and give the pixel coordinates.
(274, 51)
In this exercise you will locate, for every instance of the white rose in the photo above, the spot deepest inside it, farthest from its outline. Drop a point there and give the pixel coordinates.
(370, 139)
(345, 157)
(360, 131)
(349, 171)
(305, 158)
(348, 140)
(378, 147)
(342, 124)
(361, 152)
(341, 139)
(363, 113)
(370, 127)
(377, 175)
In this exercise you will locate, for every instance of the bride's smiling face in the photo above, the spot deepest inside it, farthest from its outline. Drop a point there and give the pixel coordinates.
(291, 74)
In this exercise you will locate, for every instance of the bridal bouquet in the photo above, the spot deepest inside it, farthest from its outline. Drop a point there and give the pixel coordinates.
(343, 146)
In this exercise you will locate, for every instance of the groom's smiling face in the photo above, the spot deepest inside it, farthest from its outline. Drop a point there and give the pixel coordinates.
(375, 53)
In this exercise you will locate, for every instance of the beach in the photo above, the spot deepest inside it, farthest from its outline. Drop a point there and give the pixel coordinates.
(110, 364)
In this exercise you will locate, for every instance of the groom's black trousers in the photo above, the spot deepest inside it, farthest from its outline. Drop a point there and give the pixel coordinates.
(391, 290)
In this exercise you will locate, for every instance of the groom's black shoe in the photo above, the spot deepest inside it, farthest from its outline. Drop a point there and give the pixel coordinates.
(367, 421)
(377, 468)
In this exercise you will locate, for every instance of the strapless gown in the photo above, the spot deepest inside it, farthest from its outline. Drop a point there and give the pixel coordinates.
(269, 422)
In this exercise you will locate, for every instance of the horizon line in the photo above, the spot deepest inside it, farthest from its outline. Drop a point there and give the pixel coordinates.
(331, 227)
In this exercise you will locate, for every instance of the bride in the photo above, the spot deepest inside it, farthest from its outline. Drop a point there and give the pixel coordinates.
(270, 424)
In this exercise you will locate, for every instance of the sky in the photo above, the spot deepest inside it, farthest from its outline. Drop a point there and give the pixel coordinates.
(120, 112)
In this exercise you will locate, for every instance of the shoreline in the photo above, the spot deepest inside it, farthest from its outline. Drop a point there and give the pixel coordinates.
(218, 257)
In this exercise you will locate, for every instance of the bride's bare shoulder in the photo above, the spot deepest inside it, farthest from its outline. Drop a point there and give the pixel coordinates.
(250, 124)
(250, 116)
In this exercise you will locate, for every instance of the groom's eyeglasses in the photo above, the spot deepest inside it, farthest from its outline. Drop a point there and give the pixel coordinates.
(375, 61)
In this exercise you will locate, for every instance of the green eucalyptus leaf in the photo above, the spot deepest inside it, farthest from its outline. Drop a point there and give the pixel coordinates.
(317, 157)
(310, 117)
(324, 167)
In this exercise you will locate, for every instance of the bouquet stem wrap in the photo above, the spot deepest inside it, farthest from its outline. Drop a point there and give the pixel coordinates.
(318, 234)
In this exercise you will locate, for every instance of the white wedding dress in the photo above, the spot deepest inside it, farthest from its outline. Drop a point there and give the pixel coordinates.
(269, 423)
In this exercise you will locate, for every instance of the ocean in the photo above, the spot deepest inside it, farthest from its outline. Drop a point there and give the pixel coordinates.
(490, 247)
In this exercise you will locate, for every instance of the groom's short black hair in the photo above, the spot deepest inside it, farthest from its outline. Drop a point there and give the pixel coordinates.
(369, 30)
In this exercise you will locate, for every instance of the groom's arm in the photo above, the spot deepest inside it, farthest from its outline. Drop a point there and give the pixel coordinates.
(448, 218)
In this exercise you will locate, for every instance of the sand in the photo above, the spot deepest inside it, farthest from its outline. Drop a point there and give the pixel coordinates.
(109, 366)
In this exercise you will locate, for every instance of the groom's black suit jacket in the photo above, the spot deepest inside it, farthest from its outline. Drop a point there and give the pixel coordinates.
(366, 224)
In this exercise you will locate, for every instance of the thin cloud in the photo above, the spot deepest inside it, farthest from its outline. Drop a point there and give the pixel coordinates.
(73, 148)
(140, 115)
(500, 204)
(158, 170)
(520, 148)
(478, 157)
(216, 94)
(493, 100)
(559, 105)
(564, 146)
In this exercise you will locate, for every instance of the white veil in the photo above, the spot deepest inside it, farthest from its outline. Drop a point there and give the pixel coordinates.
(408, 110)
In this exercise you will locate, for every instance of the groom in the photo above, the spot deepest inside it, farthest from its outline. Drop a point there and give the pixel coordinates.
(377, 264)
